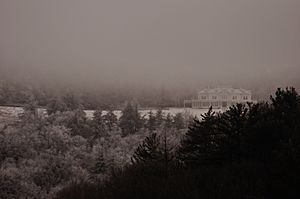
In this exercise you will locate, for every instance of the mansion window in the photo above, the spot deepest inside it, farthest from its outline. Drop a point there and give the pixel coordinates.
(203, 97)
(245, 97)
(214, 103)
(205, 103)
(234, 97)
(214, 97)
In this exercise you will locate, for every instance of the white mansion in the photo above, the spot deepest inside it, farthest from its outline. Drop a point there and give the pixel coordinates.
(221, 97)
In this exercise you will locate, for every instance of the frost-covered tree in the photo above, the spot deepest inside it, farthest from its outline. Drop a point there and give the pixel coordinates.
(151, 122)
(110, 120)
(56, 104)
(168, 121)
(14, 185)
(78, 123)
(71, 100)
(159, 117)
(130, 121)
(53, 171)
(98, 124)
(178, 121)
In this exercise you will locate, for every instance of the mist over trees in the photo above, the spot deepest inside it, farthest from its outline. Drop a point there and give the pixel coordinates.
(21, 92)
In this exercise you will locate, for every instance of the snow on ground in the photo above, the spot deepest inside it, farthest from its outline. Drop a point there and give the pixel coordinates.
(171, 111)
(9, 114)
(10, 111)
(13, 112)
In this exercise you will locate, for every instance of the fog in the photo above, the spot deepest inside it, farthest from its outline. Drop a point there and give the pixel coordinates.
(151, 43)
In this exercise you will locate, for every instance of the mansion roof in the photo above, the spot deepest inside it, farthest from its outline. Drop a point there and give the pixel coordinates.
(224, 90)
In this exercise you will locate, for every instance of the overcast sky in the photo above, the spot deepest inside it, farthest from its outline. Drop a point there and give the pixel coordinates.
(150, 41)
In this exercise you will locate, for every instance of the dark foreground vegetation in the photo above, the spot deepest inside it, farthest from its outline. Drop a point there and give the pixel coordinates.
(249, 151)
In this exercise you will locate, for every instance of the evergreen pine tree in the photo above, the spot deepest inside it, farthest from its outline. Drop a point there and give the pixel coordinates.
(130, 121)
(72, 101)
(98, 124)
(232, 125)
(99, 166)
(200, 145)
(56, 105)
(168, 121)
(110, 119)
(178, 121)
(149, 151)
(78, 123)
(151, 122)
(159, 118)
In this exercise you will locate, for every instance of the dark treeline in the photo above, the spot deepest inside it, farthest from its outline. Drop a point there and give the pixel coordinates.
(249, 151)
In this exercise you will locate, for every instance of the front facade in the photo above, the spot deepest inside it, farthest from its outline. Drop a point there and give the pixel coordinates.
(222, 97)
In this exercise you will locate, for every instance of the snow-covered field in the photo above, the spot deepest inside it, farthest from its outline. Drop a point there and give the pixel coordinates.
(8, 112)
(171, 111)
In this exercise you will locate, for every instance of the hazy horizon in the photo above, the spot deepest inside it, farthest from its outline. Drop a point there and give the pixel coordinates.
(151, 43)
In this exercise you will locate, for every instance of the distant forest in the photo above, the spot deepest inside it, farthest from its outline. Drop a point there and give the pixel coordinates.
(21, 92)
